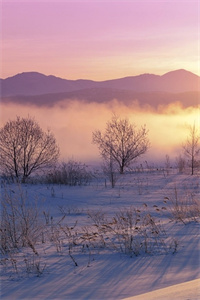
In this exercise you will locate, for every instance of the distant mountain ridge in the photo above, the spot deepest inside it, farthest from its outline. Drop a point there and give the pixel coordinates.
(39, 89)
(33, 83)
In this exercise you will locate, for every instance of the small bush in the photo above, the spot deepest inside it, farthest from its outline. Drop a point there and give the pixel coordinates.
(110, 171)
(131, 231)
(182, 208)
(71, 173)
(19, 225)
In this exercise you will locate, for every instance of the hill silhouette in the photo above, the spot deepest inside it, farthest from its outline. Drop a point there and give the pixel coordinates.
(39, 89)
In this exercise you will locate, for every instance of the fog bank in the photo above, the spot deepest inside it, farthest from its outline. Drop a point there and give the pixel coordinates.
(73, 124)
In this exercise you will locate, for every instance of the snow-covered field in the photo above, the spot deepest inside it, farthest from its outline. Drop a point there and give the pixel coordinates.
(139, 240)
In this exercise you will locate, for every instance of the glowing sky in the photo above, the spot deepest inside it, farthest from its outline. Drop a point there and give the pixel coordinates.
(99, 39)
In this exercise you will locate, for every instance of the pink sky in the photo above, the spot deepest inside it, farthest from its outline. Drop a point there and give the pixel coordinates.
(99, 39)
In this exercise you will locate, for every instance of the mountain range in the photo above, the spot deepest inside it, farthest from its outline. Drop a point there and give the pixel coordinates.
(39, 89)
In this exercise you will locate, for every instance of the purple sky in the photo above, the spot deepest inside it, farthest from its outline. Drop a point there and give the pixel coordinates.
(99, 39)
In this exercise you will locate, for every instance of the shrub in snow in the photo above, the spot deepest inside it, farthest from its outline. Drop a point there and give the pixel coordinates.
(180, 163)
(19, 221)
(71, 173)
(184, 208)
(131, 231)
(110, 171)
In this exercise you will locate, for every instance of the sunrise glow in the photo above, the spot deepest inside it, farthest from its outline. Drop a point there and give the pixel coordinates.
(99, 39)
(102, 40)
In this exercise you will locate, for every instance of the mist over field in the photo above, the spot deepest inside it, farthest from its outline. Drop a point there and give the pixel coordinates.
(73, 122)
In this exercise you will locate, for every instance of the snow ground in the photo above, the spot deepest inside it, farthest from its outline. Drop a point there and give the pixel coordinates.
(188, 290)
(107, 273)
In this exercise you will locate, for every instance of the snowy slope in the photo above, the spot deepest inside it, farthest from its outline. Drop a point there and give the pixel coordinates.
(106, 273)
(188, 290)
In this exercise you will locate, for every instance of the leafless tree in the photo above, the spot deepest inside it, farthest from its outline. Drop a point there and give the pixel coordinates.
(192, 147)
(122, 142)
(25, 148)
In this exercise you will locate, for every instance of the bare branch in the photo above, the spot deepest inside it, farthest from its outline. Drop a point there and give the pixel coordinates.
(122, 142)
(25, 148)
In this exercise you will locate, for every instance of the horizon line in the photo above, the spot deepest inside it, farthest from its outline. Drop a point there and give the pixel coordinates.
(128, 76)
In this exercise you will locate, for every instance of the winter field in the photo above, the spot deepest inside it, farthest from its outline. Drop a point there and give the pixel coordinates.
(138, 240)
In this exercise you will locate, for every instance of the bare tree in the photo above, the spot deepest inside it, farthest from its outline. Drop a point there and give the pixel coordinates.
(122, 142)
(25, 148)
(192, 147)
